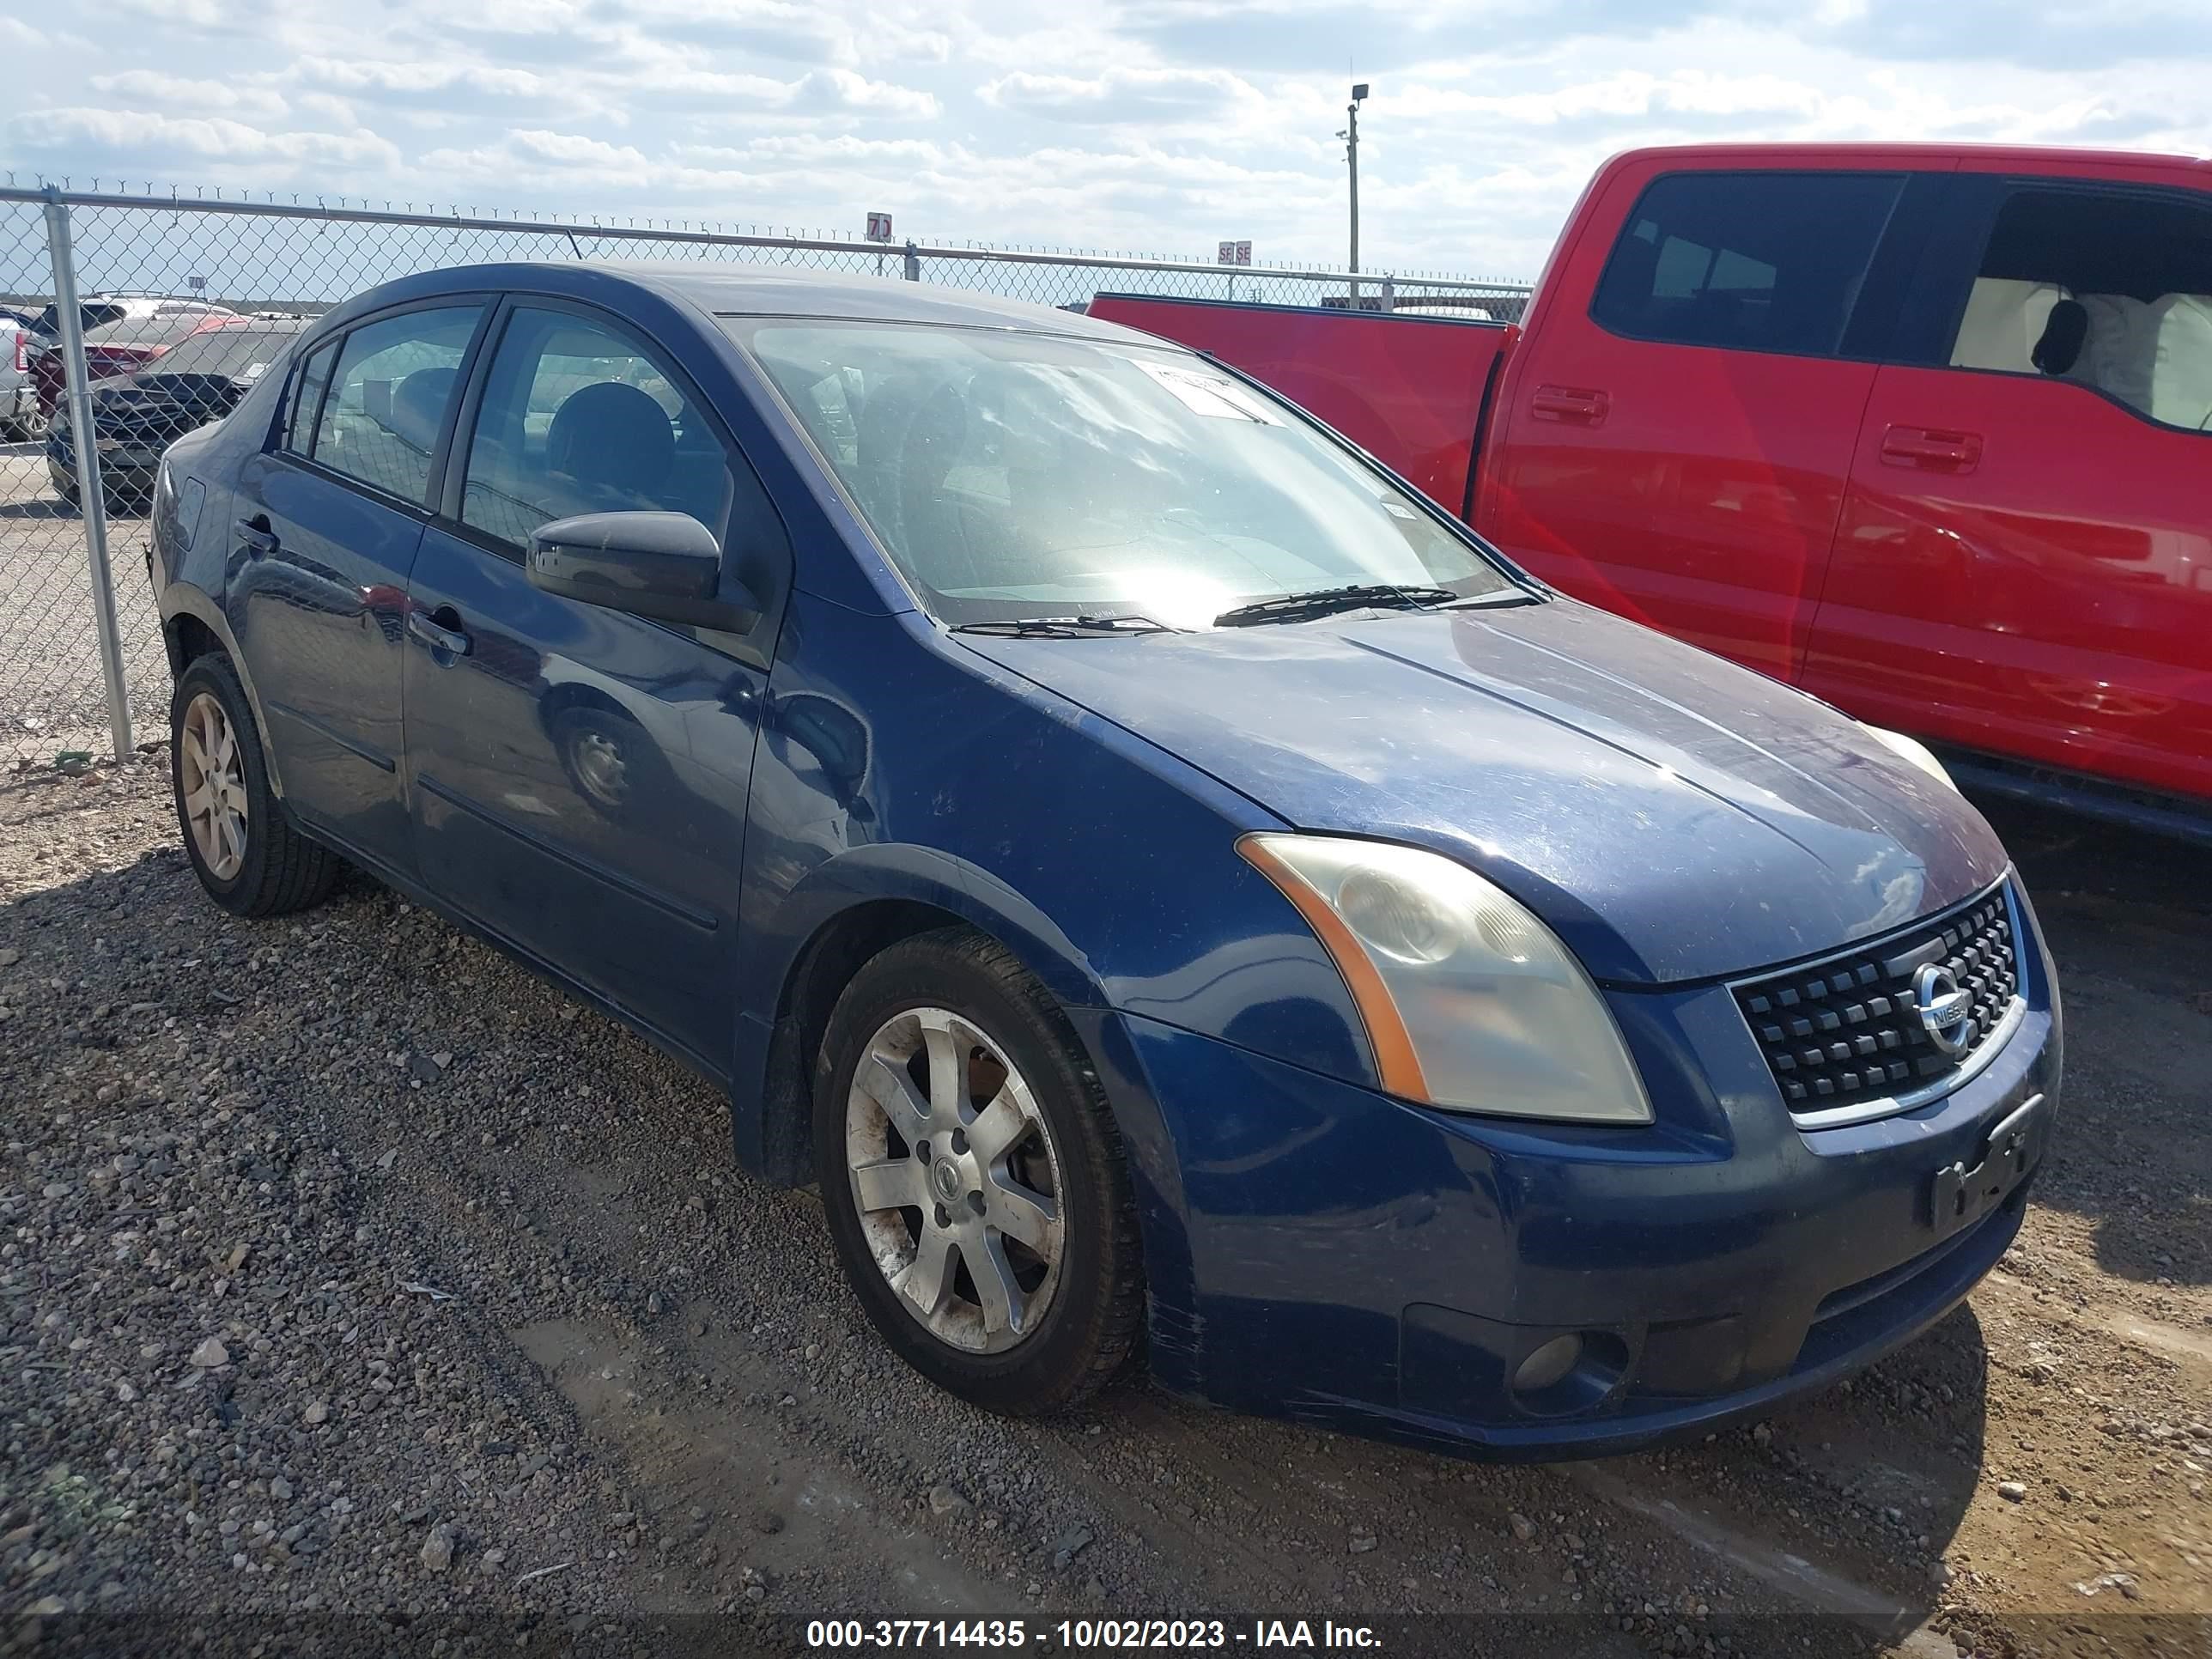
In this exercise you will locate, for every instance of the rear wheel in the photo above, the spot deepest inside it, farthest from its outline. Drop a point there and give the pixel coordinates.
(973, 1176)
(241, 841)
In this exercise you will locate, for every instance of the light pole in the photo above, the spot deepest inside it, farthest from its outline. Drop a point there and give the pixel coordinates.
(1350, 136)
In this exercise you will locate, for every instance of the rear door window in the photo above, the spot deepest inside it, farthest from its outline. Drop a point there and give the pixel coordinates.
(2106, 287)
(396, 379)
(91, 314)
(308, 390)
(1766, 261)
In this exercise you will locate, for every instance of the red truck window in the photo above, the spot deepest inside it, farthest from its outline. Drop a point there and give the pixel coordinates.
(2107, 288)
(1764, 261)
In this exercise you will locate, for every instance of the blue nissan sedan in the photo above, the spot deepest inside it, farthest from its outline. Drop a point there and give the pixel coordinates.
(1174, 891)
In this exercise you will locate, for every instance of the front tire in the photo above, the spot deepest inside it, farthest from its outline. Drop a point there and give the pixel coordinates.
(973, 1176)
(241, 841)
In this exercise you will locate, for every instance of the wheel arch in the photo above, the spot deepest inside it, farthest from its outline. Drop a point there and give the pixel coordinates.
(193, 626)
(845, 911)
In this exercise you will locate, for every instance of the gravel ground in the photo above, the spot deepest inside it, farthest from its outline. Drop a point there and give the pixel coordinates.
(356, 1288)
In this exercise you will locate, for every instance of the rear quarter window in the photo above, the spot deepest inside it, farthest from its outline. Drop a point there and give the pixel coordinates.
(1761, 261)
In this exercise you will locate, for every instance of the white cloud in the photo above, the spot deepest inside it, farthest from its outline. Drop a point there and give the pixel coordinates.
(150, 87)
(104, 133)
(1126, 96)
(200, 14)
(338, 111)
(843, 89)
(421, 76)
(1145, 125)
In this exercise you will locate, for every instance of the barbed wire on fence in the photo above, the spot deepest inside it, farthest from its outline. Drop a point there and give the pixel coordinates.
(226, 250)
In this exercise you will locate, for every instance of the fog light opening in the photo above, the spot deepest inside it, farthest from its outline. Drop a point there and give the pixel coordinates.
(1574, 1372)
(1548, 1364)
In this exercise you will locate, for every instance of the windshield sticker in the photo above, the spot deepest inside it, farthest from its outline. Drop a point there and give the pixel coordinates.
(1210, 395)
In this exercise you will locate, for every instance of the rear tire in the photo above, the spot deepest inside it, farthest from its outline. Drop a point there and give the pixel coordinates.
(1006, 1267)
(240, 839)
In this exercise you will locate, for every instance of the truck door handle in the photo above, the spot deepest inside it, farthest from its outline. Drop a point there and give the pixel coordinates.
(1567, 403)
(1937, 450)
(257, 537)
(425, 626)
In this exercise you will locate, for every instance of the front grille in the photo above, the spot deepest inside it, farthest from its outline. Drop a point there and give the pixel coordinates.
(1845, 1032)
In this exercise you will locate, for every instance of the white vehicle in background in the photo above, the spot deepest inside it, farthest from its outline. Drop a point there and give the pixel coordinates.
(20, 419)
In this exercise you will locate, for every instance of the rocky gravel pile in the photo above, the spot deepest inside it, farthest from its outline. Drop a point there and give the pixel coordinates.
(360, 1293)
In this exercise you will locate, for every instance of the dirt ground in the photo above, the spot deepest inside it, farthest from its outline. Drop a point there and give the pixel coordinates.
(358, 1290)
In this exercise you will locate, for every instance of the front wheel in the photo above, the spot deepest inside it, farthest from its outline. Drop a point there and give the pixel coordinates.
(973, 1176)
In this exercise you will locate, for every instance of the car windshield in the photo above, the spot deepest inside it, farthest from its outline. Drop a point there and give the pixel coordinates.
(1017, 475)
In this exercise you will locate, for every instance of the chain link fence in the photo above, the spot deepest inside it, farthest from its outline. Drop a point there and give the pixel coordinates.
(149, 271)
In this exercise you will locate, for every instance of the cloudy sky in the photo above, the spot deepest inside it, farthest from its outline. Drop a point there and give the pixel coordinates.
(1143, 125)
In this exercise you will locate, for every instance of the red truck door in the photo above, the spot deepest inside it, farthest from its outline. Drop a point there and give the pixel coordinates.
(2024, 560)
(1676, 427)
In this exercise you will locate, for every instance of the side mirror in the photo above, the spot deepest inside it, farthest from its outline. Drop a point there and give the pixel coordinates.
(662, 565)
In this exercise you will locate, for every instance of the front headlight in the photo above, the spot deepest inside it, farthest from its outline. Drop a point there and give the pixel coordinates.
(1470, 1002)
(1912, 750)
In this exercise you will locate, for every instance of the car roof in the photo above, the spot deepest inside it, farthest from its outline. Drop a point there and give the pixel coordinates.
(774, 292)
(1818, 154)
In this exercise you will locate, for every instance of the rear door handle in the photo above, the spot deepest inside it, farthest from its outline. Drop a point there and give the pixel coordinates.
(1938, 450)
(257, 537)
(450, 641)
(1565, 402)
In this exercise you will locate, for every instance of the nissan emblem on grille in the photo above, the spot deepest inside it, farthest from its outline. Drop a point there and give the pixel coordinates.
(1945, 1010)
(1890, 1023)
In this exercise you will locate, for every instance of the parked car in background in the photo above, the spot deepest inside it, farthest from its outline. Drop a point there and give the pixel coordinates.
(20, 417)
(132, 327)
(1923, 430)
(138, 415)
(1150, 867)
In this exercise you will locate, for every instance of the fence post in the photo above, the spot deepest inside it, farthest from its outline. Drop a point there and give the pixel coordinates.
(912, 272)
(1390, 293)
(92, 503)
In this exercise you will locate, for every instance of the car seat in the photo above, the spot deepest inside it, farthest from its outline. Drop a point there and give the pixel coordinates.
(2180, 325)
(2065, 333)
(2005, 319)
(2120, 350)
(419, 407)
(611, 447)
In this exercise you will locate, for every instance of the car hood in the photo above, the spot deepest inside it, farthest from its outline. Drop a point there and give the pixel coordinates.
(1672, 815)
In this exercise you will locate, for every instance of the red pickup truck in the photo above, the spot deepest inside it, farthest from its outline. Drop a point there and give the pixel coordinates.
(1925, 431)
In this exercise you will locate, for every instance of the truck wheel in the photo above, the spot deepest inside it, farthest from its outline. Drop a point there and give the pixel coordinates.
(973, 1176)
(242, 843)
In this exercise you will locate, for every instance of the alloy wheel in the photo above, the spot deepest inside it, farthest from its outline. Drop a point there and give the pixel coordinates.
(956, 1179)
(214, 776)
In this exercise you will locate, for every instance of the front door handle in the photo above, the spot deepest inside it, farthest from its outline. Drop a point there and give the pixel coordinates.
(255, 535)
(425, 626)
(1938, 450)
(1581, 405)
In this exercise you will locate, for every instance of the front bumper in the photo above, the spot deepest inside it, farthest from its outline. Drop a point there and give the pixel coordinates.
(1321, 1251)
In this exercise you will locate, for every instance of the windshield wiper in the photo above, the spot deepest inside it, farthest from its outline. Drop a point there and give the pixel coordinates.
(1062, 628)
(1326, 601)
